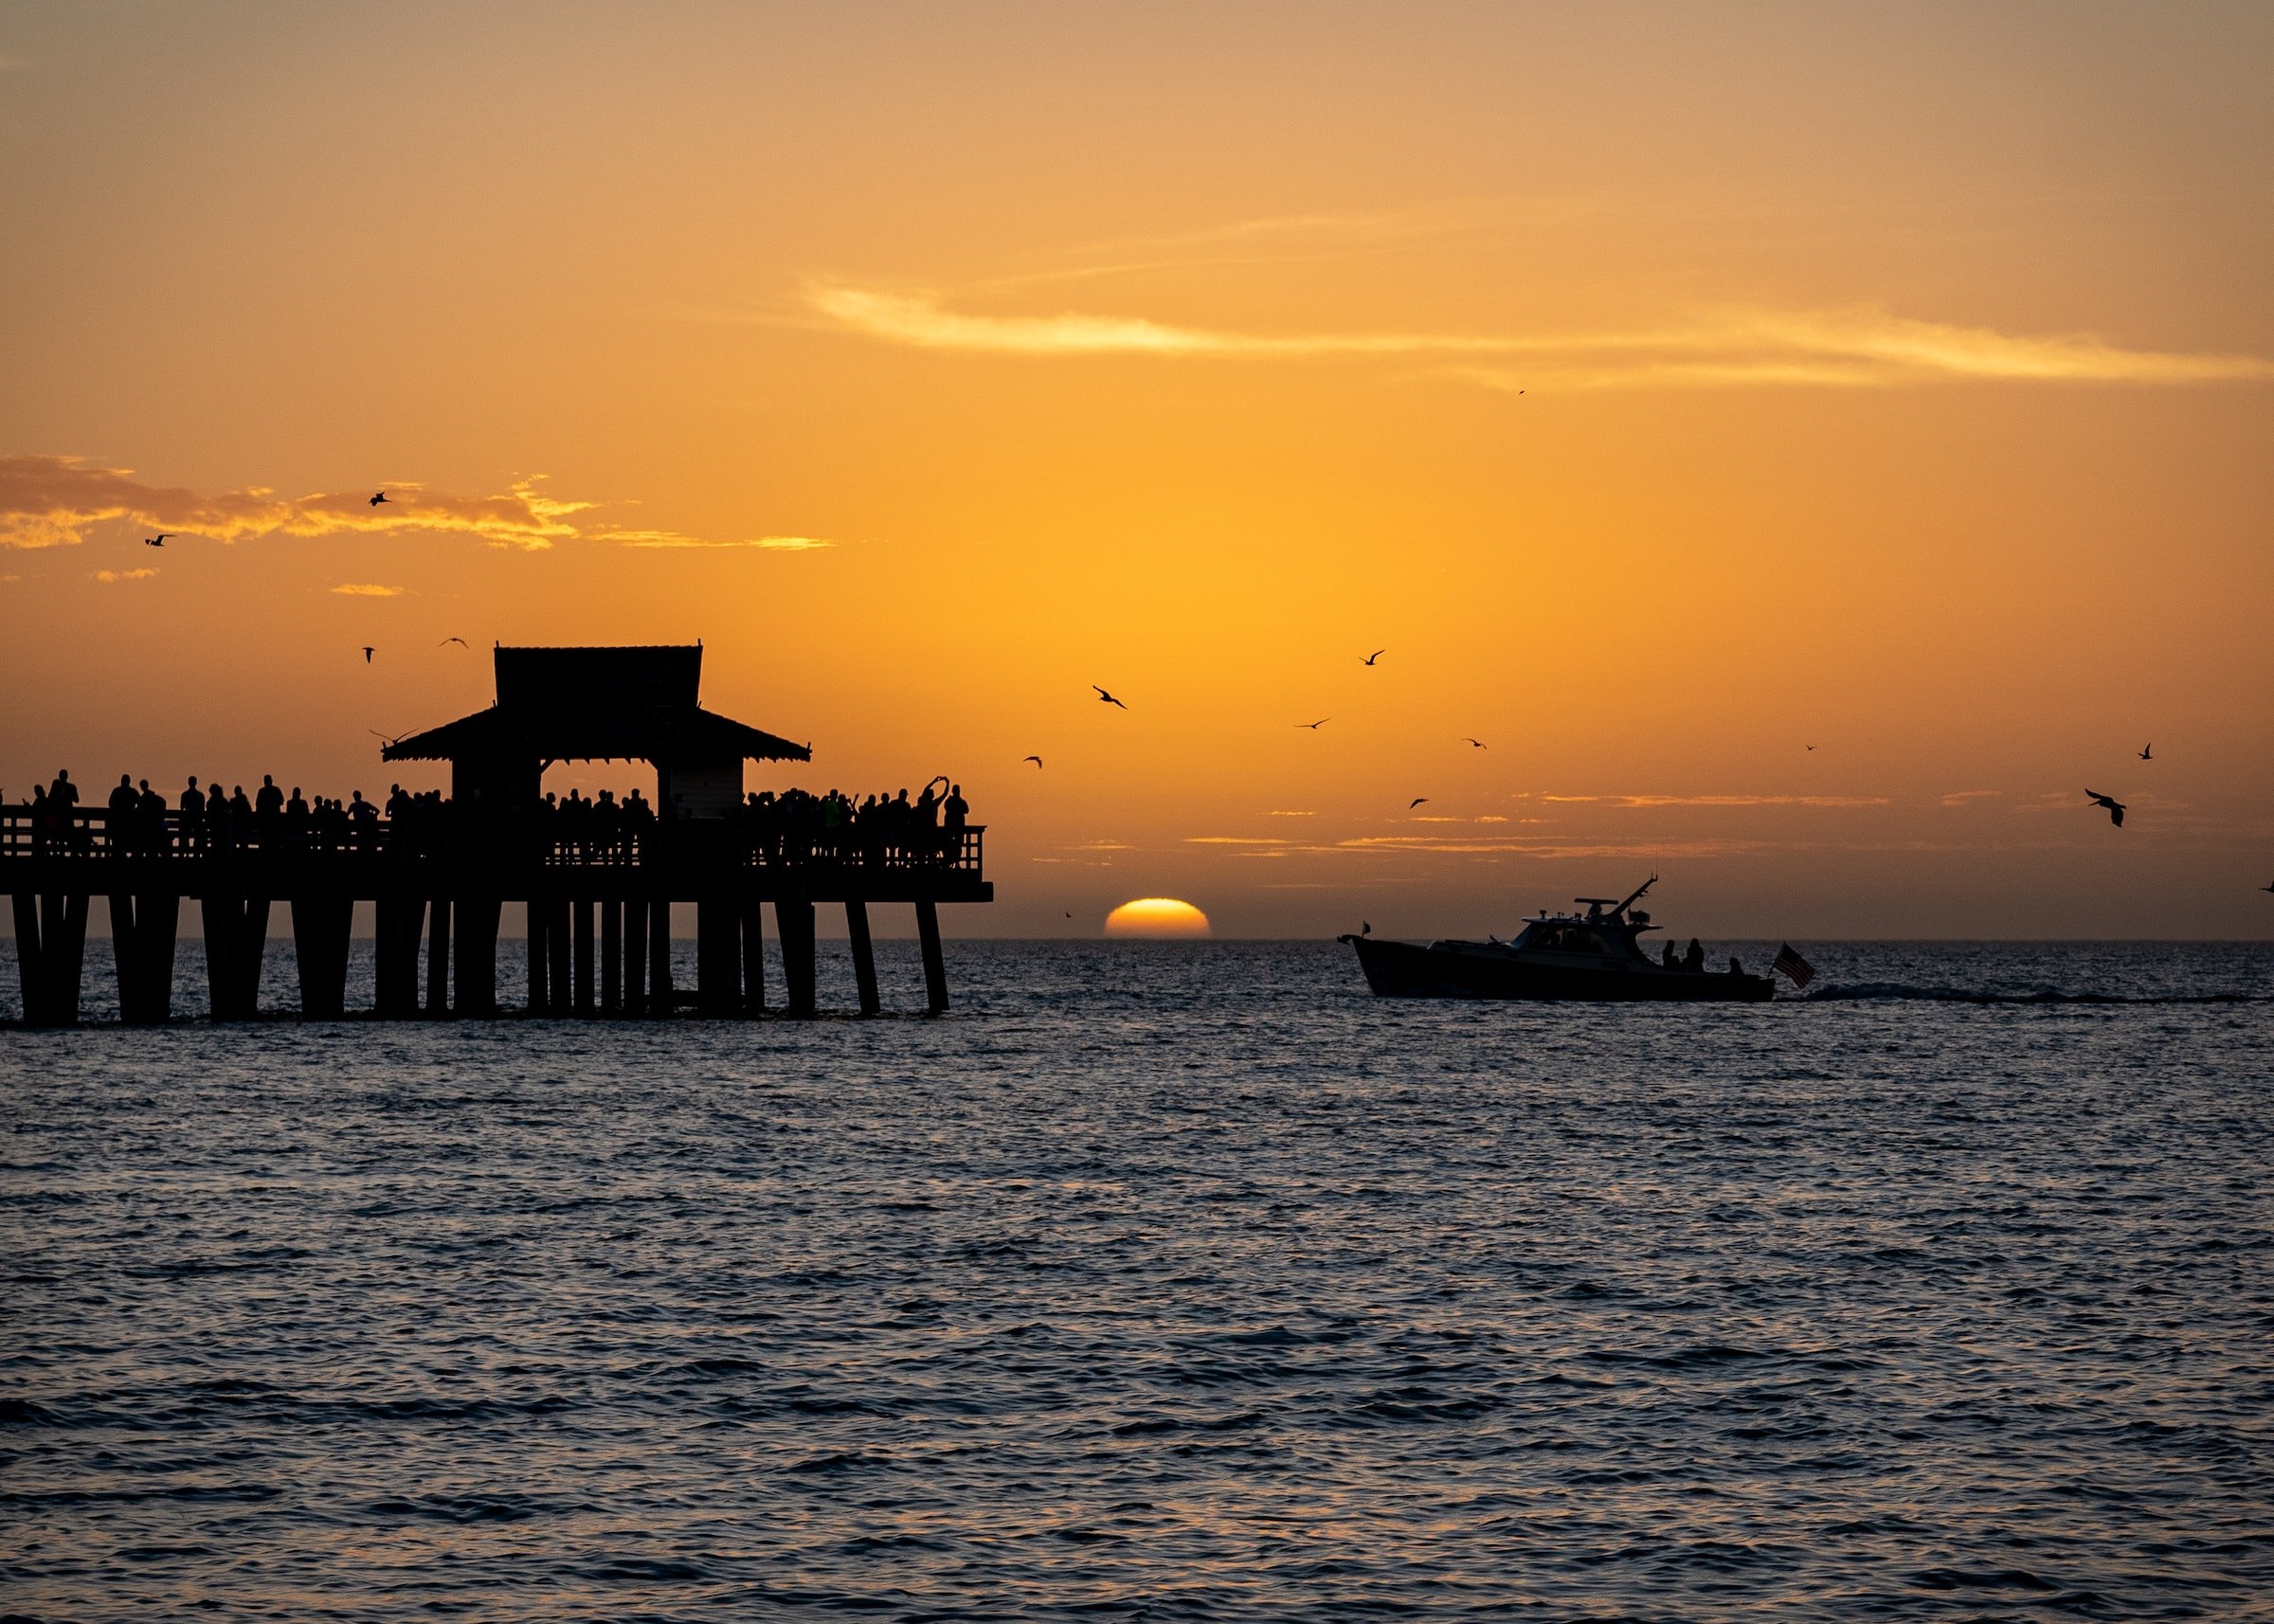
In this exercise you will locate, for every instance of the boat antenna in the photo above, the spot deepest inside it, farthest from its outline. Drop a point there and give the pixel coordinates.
(1635, 897)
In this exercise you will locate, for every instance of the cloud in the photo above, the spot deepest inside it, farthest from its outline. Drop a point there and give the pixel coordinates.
(1626, 801)
(367, 589)
(111, 577)
(53, 501)
(1443, 845)
(1859, 347)
(671, 538)
(1963, 797)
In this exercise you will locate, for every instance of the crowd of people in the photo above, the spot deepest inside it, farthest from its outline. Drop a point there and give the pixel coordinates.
(794, 826)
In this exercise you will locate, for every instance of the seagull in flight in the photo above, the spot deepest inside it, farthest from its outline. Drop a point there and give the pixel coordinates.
(2116, 808)
(376, 499)
(1107, 698)
(1810, 747)
(1375, 656)
(158, 540)
(1478, 743)
(2148, 754)
(448, 641)
(366, 653)
(1038, 761)
(1417, 800)
(1314, 727)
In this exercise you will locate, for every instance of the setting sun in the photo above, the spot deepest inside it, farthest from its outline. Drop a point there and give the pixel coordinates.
(1161, 917)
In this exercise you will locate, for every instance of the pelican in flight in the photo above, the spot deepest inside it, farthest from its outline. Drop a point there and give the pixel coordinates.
(1314, 727)
(158, 540)
(2116, 808)
(1416, 801)
(1107, 698)
(2148, 753)
(448, 641)
(377, 499)
(1038, 761)
(1478, 743)
(366, 653)
(1375, 656)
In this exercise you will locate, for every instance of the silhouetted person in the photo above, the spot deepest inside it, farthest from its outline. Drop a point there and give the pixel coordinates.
(1693, 959)
(298, 820)
(1667, 959)
(193, 816)
(43, 820)
(150, 819)
(1736, 968)
(63, 801)
(268, 809)
(119, 827)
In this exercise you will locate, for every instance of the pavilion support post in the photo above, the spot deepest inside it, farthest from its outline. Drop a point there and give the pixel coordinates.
(658, 958)
(753, 956)
(557, 954)
(793, 924)
(142, 934)
(582, 907)
(401, 915)
(611, 956)
(539, 999)
(438, 957)
(936, 966)
(320, 928)
(635, 955)
(718, 958)
(864, 954)
(477, 956)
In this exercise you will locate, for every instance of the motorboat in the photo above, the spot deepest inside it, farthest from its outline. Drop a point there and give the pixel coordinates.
(1593, 954)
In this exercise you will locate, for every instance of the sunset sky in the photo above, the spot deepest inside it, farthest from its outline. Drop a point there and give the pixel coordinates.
(1667, 389)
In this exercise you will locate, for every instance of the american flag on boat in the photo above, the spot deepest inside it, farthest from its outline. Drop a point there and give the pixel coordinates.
(1794, 965)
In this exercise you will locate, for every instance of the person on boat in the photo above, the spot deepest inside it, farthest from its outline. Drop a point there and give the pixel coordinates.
(1736, 968)
(1694, 960)
(1666, 959)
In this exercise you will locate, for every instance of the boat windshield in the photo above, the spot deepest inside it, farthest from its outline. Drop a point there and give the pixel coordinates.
(1555, 938)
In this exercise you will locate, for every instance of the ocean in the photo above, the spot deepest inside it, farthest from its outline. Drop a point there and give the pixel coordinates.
(1158, 1281)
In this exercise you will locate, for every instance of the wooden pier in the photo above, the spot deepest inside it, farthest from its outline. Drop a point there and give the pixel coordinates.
(599, 902)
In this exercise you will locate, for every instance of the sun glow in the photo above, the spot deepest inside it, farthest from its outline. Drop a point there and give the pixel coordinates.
(1156, 916)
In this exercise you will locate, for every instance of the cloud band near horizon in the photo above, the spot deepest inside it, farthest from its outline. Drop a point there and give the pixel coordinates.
(1861, 348)
(50, 500)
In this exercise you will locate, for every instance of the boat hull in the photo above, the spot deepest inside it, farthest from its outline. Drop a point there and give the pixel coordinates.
(1400, 969)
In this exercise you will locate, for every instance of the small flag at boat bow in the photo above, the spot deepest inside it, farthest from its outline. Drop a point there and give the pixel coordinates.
(1794, 965)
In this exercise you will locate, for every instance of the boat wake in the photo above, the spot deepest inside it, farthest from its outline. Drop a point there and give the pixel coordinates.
(1866, 991)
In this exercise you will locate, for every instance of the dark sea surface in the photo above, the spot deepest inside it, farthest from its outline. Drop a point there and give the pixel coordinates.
(1159, 1282)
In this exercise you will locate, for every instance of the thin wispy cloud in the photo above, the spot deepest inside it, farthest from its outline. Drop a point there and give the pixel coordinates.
(1861, 348)
(1721, 800)
(112, 577)
(58, 502)
(367, 589)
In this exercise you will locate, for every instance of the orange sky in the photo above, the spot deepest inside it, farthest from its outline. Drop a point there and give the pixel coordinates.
(1899, 383)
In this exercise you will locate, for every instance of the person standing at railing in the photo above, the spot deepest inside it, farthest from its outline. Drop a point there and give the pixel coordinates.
(194, 817)
(298, 818)
(954, 813)
(42, 821)
(62, 801)
(119, 828)
(268, 811)
(149, 819)
(217, 817)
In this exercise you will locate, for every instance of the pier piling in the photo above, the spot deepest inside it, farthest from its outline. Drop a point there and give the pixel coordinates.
(611, 956)
(936, 965)
(143, 928)
(864, 954)
(438, 957)
(793, 924)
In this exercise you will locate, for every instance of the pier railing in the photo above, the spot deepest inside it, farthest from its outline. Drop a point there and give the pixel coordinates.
(179, 839)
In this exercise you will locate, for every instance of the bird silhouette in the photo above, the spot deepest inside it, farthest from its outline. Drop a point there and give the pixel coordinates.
(1416, 801)
(377, 499)
(2266, 888)
(366, 653)
(1107, 698)
(1314, 727)
(2148, 754)
(1365, 929)
(2116, 808)
(1038, 761)
(1375, 656)
(448, 641)
(158, 540)
(1809, 747)
(1478, 743)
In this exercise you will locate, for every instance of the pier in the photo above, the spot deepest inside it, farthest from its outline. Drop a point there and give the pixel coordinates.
(598, 891)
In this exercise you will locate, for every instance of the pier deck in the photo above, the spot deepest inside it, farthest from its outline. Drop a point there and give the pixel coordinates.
(599, 914)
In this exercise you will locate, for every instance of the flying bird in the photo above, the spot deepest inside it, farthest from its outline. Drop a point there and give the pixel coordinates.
(1107, 698)
(1809, 747)
(1038, 761)
(1416, 801)
(1478, 743)
(448, 641)
(1375, 656)
(2147, 754)
(2116, 808)
(377, 499)
(158, 540)
(366, 653)
(1314, 727)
